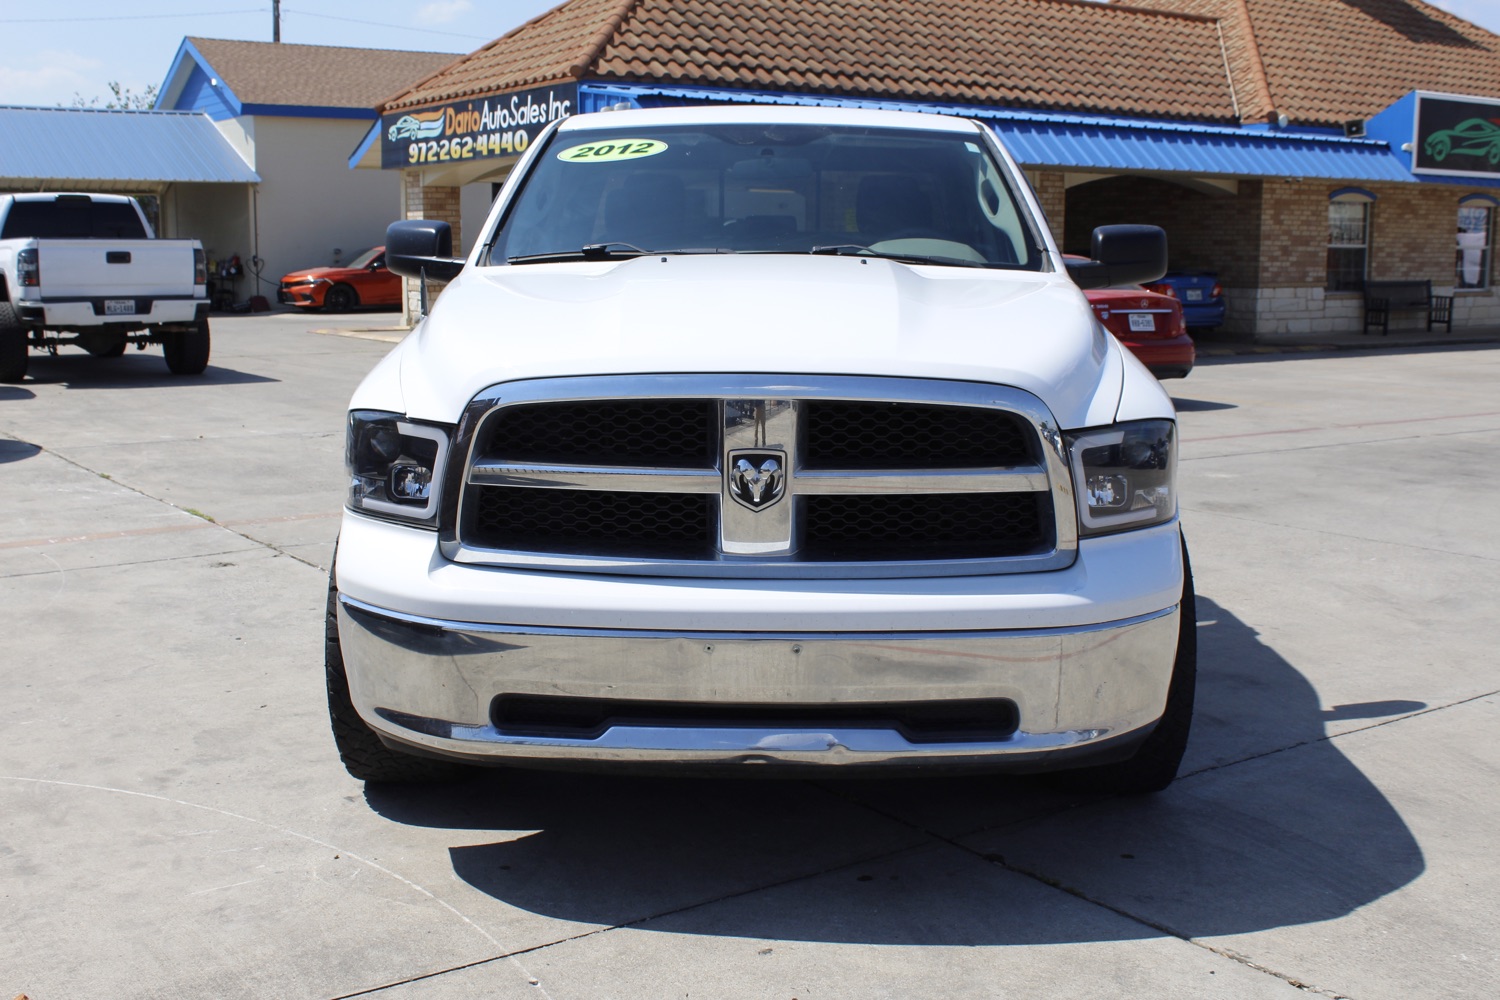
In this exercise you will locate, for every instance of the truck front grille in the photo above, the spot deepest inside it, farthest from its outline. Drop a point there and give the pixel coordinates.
(874, 435)
(594, 522)
(653, 432)
(926, 526)
(757, 477)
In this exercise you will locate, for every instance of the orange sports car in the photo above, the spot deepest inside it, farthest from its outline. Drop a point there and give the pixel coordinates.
(364, 281)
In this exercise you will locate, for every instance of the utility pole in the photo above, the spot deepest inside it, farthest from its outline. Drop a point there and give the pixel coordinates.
(275, 20)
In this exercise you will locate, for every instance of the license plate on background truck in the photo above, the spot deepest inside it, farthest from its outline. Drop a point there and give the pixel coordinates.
(119, 307)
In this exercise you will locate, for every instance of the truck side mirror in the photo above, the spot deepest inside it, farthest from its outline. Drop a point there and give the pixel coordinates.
(421, 248)
(1122, 255)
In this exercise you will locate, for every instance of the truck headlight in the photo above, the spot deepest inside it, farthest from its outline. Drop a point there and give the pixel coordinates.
(395, 466)
(1124, 476)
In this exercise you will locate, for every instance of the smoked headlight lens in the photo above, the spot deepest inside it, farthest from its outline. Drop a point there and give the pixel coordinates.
(1124, 476)
(395, 466)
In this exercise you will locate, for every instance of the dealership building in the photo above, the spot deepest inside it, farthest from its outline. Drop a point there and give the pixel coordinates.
(1298, 148)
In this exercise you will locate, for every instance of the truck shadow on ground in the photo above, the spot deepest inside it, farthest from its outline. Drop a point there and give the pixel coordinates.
(12, 450)
(1268, 826)
(1200, 405)
(135, 370)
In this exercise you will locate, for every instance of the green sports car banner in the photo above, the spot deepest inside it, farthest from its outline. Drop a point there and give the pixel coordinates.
(1457, 136)
(493, 127)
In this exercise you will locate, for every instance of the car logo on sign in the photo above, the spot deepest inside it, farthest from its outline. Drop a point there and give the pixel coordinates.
(757, 479)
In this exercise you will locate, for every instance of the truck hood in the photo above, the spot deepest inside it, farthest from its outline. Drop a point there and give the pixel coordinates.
(751, 314)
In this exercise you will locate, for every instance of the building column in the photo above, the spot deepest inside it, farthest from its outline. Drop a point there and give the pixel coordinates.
(1052, 193)
(436, 204)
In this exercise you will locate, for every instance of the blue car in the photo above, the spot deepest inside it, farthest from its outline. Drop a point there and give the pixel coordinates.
(1200, 293)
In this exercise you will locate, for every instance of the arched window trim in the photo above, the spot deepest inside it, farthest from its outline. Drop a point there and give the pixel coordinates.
(1353, 194)
(1473, 260)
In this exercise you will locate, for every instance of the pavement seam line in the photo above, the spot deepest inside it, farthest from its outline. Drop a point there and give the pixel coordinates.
(1058, 885)
(1329, 737)
(287, 831)
(122, 565)
(161, 500)
(1405, 421)
(1362, 442)
(647, 918)
(1285, 526)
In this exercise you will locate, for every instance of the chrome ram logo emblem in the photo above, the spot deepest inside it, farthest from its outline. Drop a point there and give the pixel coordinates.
(757, 479)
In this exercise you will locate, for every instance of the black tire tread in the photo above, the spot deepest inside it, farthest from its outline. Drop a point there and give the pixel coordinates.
(14, 353)
(365, 757)
(114, 350)
(1154, 765)
(187, 353)
(340, 298)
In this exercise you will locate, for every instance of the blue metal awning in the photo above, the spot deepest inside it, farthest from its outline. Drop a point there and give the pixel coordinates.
(87, 146)
(1090, 142)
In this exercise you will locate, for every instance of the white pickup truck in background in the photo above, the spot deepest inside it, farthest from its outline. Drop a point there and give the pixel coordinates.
(87, 270)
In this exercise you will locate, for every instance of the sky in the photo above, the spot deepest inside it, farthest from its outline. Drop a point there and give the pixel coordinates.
(66, 52)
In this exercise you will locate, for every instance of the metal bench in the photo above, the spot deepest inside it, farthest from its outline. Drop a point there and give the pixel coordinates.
(1385, 297)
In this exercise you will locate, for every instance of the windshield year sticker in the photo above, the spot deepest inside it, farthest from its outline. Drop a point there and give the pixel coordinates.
(610, 152)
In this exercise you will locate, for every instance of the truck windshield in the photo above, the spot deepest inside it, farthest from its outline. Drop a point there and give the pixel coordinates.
(72, 219)
(925, 197)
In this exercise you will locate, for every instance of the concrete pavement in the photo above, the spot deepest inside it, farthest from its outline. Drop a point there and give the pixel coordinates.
(174, 821)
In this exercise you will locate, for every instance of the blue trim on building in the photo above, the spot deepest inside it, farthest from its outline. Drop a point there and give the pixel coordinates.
(1098, 143)
(199, 94)
(371, 138)
(203, 91)
(1396, 126)
(308, 111)
(206, 92)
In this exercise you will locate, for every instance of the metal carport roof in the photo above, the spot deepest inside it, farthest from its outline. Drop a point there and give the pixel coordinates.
(102, 150)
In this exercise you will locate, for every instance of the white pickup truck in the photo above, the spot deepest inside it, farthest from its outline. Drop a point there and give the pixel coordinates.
(86, 269)
(754, 438)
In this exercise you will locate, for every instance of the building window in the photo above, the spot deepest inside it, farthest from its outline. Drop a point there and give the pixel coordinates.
(1348, 242)
(1472, 258)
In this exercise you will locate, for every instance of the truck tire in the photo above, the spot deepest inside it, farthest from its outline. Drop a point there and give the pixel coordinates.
(1155, 764)
(109, 346)
(13, 349)
(365, 757)
(187, 353)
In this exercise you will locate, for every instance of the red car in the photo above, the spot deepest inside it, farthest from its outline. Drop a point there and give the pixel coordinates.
(364, 281)
(1151, 325)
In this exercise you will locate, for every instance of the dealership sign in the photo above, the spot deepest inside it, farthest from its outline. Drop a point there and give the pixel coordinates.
(496, 127)
(1456, 136)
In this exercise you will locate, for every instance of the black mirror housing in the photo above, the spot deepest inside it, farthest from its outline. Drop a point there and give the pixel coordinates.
(1122, 255)
(417, 246)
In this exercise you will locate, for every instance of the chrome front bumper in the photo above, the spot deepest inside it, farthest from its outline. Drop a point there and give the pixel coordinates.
(1081, 692)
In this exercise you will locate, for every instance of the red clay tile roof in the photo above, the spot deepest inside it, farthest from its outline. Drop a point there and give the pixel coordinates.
(558, 45)
(1059, 54)
(323, 76)
(1328, 61)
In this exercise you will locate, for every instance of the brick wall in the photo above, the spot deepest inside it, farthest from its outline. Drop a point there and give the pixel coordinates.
(1051, 192)
(1411, 236)
(1216, 232)
(440, 204)
(1269, 245)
